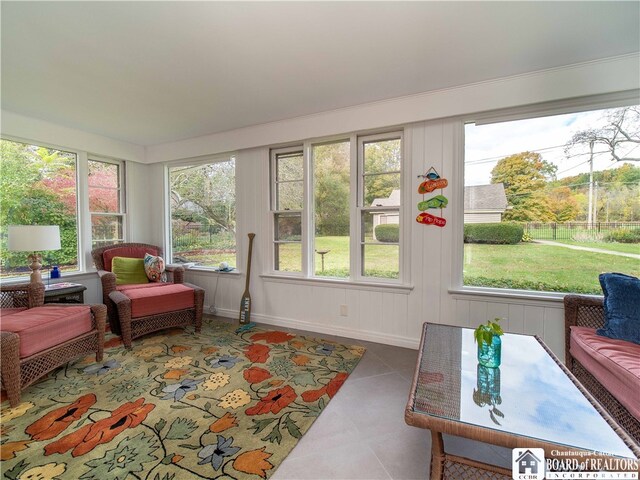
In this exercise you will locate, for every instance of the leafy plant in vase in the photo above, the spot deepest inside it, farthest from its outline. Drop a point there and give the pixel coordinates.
(487, 336)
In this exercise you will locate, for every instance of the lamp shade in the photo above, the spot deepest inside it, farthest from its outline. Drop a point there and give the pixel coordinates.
(33, 238)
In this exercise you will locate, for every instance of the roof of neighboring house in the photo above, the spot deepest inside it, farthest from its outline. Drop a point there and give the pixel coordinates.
(391, 201)
(485, 197)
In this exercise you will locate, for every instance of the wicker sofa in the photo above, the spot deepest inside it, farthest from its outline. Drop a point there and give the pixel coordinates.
(608, 368)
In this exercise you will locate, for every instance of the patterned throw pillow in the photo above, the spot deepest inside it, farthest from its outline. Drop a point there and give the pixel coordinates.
(154, 267)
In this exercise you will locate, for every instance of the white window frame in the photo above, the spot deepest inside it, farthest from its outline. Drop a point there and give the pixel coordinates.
(356, 141)
(195, 162)
(83, 215)
(560, 107)
(121, 196)
(360, 208)
(274, 212)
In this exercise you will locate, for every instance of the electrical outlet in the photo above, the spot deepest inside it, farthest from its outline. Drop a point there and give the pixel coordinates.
(344, 311)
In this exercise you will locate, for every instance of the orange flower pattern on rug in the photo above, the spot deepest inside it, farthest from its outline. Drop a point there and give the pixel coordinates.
(85, 439)
(217, 404)
(330, 388)
(257, 353)
(256, 374)
(56, 421)
(273, 402)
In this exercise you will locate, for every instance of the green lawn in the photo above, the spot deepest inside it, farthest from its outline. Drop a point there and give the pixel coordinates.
(528, 266)
(533, 266)
(380, 260)
(614, 247)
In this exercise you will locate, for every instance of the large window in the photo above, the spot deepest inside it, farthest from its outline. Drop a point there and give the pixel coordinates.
(203, 213)
(331, 212)
(38, 187)
(379, 205)
(287, 201)
(106, 202)
(552, 202)
(336, 208)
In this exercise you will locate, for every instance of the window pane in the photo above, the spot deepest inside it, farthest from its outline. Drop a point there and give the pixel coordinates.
(104, 200)
(289, 166)
(288, 226)
(381, 227)
(382, 156)
(203, 213)
(106, 230)
(288, 257)
(102, 174)
(530, 198)
(38, 187)
(331, 190)
(382, 190)
(289, 196)
(381, 261)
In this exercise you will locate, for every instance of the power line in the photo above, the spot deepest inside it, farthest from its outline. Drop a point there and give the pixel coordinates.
(489, 159)
(500, 157)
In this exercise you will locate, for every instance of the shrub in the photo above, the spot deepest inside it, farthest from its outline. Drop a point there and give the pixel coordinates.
(493, 233)
(388, 233)
(623, 236)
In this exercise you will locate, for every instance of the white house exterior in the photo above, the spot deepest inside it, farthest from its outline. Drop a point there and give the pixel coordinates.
(383, 218)
(484, 203)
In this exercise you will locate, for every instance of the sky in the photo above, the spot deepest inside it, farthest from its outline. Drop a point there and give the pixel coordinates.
(485, 145)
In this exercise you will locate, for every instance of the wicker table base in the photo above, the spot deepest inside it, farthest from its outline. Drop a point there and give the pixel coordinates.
(447, 466)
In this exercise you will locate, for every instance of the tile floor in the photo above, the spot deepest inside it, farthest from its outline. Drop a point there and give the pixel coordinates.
(362, 435)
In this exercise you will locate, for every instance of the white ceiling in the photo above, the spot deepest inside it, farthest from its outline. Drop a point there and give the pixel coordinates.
(155, 72)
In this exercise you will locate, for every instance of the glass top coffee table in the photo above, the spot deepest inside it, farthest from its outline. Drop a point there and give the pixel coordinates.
(530, 401)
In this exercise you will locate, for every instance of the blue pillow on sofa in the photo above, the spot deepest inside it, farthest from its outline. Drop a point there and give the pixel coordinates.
(621, 307)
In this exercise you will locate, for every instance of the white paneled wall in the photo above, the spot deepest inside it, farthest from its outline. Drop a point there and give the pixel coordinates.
(381, 315)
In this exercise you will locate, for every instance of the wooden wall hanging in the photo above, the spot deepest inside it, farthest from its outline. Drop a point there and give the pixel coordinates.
(431, 181)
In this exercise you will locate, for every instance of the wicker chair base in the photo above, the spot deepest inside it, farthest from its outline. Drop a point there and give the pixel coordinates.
(153, 323)
(34, 367)
(621, 415)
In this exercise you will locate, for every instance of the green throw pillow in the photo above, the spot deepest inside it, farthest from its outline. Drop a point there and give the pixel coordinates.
(129, 270)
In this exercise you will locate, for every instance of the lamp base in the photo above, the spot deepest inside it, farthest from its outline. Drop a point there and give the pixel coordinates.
(36, 265)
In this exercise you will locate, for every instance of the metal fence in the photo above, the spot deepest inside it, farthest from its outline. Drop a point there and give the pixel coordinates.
(575, 230)
(201, 236)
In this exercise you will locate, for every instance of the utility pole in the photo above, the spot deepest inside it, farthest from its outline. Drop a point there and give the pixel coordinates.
(590, 208)
(595, 203)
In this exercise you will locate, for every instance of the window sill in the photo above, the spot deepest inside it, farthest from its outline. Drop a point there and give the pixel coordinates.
(335, 283)
(506, 294)
(207, 270)
(65, 277)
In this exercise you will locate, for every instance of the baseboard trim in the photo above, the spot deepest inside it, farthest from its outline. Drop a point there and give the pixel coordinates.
(377, 337)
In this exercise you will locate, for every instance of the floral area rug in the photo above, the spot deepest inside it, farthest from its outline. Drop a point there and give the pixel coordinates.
(180, 405)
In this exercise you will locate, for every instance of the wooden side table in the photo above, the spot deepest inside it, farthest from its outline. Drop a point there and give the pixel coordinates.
(64, 293)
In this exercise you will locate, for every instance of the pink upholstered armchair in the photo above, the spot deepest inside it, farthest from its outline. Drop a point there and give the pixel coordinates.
(137, 309)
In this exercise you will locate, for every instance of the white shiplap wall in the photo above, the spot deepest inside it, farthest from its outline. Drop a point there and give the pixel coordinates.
(387, 316)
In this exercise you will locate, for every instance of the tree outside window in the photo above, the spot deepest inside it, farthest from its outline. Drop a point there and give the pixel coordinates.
(38, 187)
(203, 213)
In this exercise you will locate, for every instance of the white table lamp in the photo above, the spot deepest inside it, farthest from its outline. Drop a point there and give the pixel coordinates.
(34, 238)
